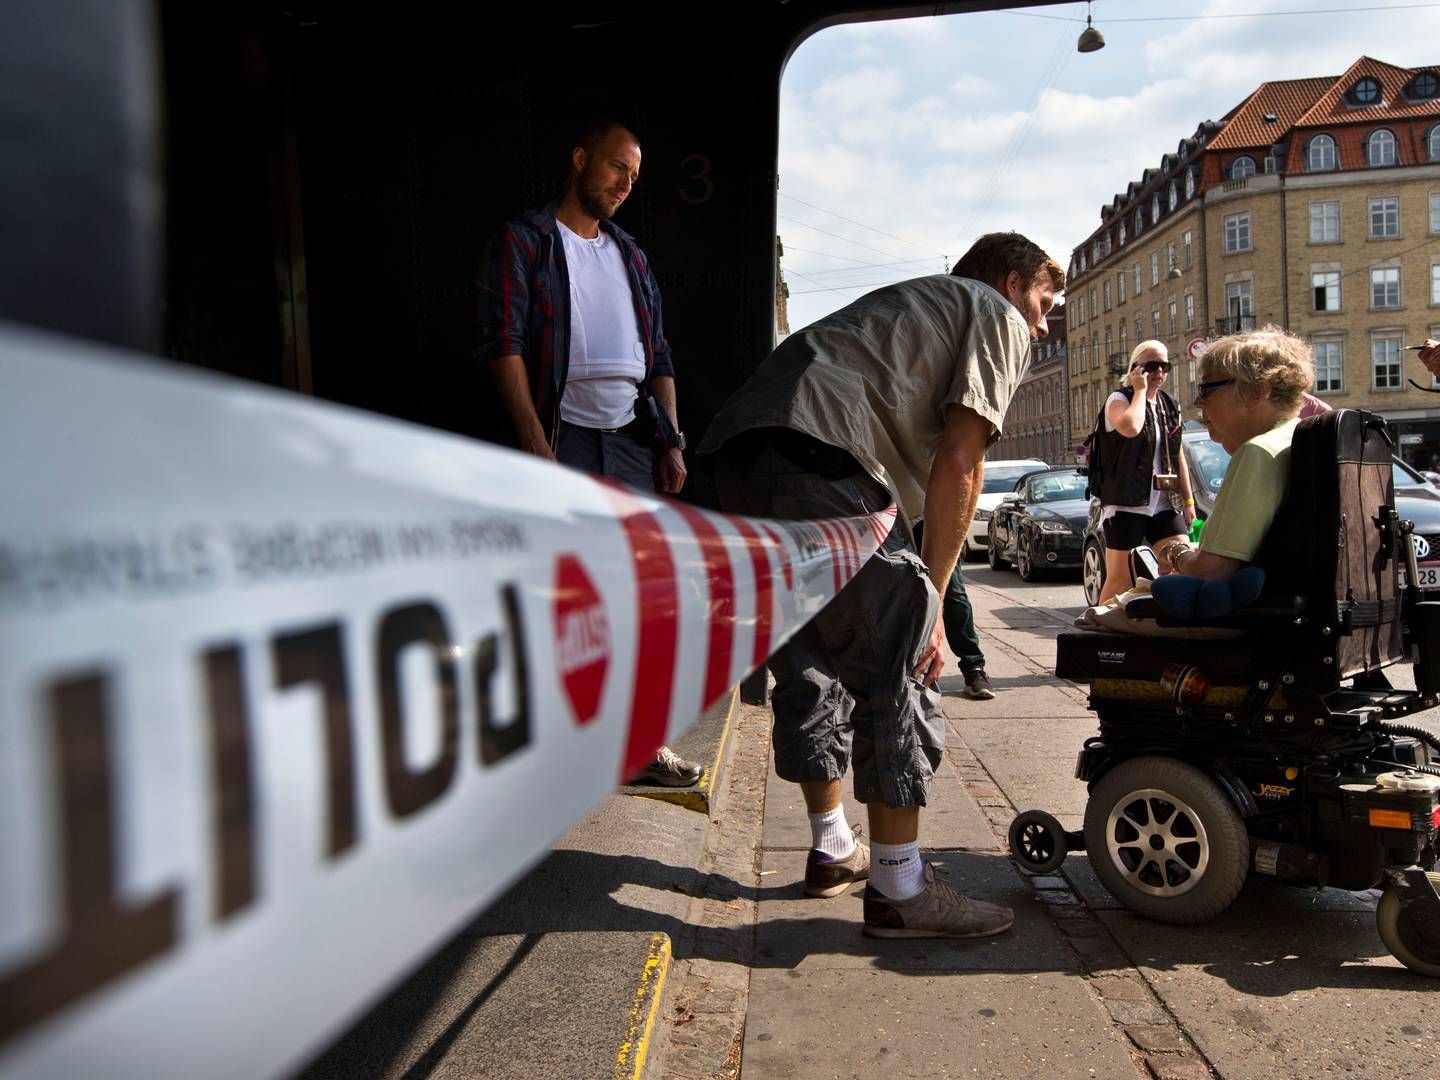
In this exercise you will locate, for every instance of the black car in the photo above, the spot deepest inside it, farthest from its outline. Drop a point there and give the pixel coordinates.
(1415, 499)
(1041, 524)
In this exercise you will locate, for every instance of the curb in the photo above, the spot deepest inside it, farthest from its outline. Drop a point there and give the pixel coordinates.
(700, 797)
(635, 1046)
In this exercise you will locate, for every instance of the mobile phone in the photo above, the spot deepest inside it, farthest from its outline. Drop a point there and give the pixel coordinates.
(1412, 348)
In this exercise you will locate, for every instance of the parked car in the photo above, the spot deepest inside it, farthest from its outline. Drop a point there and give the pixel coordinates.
(1415, 500)
(1000, 477)
(1041, 524)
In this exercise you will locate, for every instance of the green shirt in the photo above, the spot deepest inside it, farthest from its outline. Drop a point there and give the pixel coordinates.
(1250, 496)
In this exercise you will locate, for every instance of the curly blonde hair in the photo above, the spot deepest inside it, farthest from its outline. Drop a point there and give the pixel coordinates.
(1270, 358)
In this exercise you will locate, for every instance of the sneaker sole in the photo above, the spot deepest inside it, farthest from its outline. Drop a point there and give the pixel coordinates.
(890, 932)
(983, 695)
(833, 890)
(672, 781)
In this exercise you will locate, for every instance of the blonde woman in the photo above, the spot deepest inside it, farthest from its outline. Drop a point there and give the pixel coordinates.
(1144, 489)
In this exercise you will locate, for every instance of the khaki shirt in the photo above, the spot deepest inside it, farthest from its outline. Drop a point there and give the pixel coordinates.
(877, 378)
(1255, 482)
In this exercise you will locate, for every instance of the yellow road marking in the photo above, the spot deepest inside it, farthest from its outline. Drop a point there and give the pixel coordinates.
(636, 1044)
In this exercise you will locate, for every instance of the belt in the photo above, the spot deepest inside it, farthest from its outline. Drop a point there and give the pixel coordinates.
(634, 427)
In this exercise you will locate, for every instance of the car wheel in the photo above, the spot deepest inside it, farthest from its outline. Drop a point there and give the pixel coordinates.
(966, 551)
(992, 554)
(1023, 560)
(1092, 571)
(1166, 841)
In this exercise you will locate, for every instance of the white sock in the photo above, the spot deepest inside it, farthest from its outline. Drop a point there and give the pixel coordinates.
(830, 834)
(896, 869)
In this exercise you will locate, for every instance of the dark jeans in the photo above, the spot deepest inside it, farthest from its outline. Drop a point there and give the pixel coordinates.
(844, 695)
(607, 453)
(959, 618)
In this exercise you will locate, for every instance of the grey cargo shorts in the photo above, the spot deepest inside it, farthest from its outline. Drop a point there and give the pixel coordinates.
(843, 687)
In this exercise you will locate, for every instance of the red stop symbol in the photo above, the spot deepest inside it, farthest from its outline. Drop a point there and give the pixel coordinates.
(582, 638)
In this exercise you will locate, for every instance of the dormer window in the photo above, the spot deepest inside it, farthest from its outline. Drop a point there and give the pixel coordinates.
(1122, 232)
(1241, 167)
(1364, 93)
(1189, 183)
(1320, 154)
(1155, 207)
(1380, 149)
(1423, 87)
(1140, 218)
(1174, 195)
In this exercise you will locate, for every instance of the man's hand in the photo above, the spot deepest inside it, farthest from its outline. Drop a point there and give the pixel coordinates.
(537, 445)
(1430, 356)
(932, 657)
(672, 471)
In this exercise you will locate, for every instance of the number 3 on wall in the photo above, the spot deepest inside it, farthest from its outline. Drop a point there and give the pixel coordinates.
(698, 187)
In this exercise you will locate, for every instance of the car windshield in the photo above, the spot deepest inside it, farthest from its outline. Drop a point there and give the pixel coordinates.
(1057, 488)
(1000, 479)
(1403, 477)
(1210, 460)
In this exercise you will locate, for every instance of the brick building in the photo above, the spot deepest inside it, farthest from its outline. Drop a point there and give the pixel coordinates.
(1314, 205)
(1036, 424)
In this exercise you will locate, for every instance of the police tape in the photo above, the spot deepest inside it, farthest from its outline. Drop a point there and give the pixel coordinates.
(288, 692)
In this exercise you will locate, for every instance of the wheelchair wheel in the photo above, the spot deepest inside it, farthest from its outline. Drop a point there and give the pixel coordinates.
(1166, 841)
(1037, 842)
(1400, 936)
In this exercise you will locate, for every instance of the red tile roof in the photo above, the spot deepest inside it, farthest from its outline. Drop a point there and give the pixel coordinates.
(1332, 107)
(1246, 126)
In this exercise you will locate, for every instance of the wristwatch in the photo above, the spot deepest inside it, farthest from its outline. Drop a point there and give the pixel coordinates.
(679, 442)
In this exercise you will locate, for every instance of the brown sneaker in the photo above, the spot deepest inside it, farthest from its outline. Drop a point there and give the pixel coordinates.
(825, 876)
(937, 911)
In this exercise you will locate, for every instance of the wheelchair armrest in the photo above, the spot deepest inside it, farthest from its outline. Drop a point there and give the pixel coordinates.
(1266, 611)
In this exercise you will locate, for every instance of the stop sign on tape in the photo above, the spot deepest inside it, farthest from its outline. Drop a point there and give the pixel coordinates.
(582, 638)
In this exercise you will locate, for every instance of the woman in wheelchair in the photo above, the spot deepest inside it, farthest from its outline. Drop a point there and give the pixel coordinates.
(1276, 753)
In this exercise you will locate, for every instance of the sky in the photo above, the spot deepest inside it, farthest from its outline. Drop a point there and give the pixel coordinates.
(928, 132)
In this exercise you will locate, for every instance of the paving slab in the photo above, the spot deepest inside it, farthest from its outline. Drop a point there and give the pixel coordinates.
(861, 1022)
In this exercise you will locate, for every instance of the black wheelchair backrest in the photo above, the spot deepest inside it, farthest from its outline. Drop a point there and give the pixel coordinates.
(1334, 541)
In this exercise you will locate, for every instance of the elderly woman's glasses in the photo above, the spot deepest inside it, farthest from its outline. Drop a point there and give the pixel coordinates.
(1207, 387)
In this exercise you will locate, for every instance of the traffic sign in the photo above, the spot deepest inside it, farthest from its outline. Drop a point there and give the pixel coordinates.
(1196, 348)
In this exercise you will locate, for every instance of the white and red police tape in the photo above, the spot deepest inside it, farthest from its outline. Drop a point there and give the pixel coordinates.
(288, 692)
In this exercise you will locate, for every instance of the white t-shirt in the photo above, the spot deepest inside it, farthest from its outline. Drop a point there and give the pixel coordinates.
(1159, 500)
(607, 357)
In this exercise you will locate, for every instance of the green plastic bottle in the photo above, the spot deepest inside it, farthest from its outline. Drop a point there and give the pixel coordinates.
(1196, 528)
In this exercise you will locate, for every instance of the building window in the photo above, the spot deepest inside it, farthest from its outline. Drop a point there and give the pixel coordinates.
(1320, 154)
(1155, 208)
(1239, 304)
(1435, 283)
(1189, 311)
(1122, 232)
(1434, 205)
(1107, 245)
(1106, 292)
(1241, 167)
(1094, 305)
(1237, 232)
(1124, 348)
(1170, 256)
(1155, 323)
(1172, 312)
(1385, 363)
(1095, 357)
(1365, 92)
(1189, 183)
(1174, 198)
(1109, 343)
(1120, 287)
(1095, 252)
(1385, 217)
(1435, 212)
(1186, 249)
(1329, 366)
(1423, 87)
(1154, 268)
(1324, 222)
(1082, 260)
(1139, 329)
(1432, 143)
(1380, 149)
(1139, 221)
(1325, 286)
(1385, 287)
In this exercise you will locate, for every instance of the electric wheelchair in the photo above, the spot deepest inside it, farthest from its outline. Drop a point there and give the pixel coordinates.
(1276, 752)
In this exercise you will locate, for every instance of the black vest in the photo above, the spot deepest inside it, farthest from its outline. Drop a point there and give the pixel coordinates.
(1127, 465)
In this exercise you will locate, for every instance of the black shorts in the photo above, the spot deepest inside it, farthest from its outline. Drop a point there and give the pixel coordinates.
(1125, 530)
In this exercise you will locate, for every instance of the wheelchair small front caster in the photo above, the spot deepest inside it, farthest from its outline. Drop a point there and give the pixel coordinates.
(1037, 842)
(1408, 919)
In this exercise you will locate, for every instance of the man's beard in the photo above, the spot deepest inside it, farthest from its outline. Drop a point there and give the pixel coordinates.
(590, 197)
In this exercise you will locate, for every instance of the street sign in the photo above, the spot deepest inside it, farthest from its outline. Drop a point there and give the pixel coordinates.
(1196, 348)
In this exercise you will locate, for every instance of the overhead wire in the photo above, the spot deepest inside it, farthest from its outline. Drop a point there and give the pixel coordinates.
(1227, 15)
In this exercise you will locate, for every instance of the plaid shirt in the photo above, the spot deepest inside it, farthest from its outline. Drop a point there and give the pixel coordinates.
(523, 295)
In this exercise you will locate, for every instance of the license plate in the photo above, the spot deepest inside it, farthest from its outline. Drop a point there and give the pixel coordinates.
(1429, 575)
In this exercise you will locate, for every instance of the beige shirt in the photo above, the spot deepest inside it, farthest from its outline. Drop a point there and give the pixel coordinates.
(877, 378)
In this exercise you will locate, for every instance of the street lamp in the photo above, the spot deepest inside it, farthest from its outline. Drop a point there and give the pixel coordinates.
(1091, 40)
